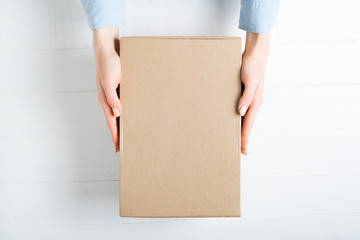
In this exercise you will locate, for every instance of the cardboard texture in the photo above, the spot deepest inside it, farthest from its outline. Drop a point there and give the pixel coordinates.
(180, 130)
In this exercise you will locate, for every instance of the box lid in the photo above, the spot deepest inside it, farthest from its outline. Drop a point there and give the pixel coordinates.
(180, 130)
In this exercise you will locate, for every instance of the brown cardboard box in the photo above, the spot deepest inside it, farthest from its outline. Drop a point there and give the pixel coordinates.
(179, 130)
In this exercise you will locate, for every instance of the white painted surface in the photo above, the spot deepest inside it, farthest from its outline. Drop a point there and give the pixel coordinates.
(58, 172)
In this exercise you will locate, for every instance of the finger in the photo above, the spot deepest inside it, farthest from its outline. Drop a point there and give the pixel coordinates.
(112, 125)
(109, 116)
(246, 98)
(113, 100)
(247, 125)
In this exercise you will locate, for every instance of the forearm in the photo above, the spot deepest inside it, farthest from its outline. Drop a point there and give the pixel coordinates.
(105, 43)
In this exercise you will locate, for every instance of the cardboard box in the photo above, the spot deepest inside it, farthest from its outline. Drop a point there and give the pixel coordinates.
(180, 130)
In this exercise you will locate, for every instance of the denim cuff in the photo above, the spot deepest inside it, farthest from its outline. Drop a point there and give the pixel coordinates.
(104, 13)
(258, 16)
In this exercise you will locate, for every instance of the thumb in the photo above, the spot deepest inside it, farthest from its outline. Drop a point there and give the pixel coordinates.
(246, 98)
(113, 101)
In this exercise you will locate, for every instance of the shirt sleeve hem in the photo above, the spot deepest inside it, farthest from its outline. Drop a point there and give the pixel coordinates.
(258, 15)
(106, 25)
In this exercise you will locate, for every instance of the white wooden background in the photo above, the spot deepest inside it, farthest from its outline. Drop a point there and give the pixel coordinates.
(58, 171)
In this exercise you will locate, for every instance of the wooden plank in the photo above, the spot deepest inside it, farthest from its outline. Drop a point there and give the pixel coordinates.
(287, 195)
(316, 21)
(47, 71)
(59, 203)
(64, 203)
(309, 108)
(313, 63)
(51, 114)
(329, 152)
(248, 228)
(58, 159)
(166, 18)
(43, 25)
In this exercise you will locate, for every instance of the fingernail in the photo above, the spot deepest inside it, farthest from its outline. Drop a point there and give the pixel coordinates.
(116, 112)
(243, 110)
(243, 151)
(116, 150)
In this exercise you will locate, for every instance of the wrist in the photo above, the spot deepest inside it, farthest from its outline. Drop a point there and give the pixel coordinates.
(105, 40)
(256, 43)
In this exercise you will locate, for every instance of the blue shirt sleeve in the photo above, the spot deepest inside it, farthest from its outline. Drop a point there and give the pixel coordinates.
(258, 15)
(104, 13)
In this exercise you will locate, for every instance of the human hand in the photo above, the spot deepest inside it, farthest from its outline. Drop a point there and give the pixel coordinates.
(108, 77)
(252, 76)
